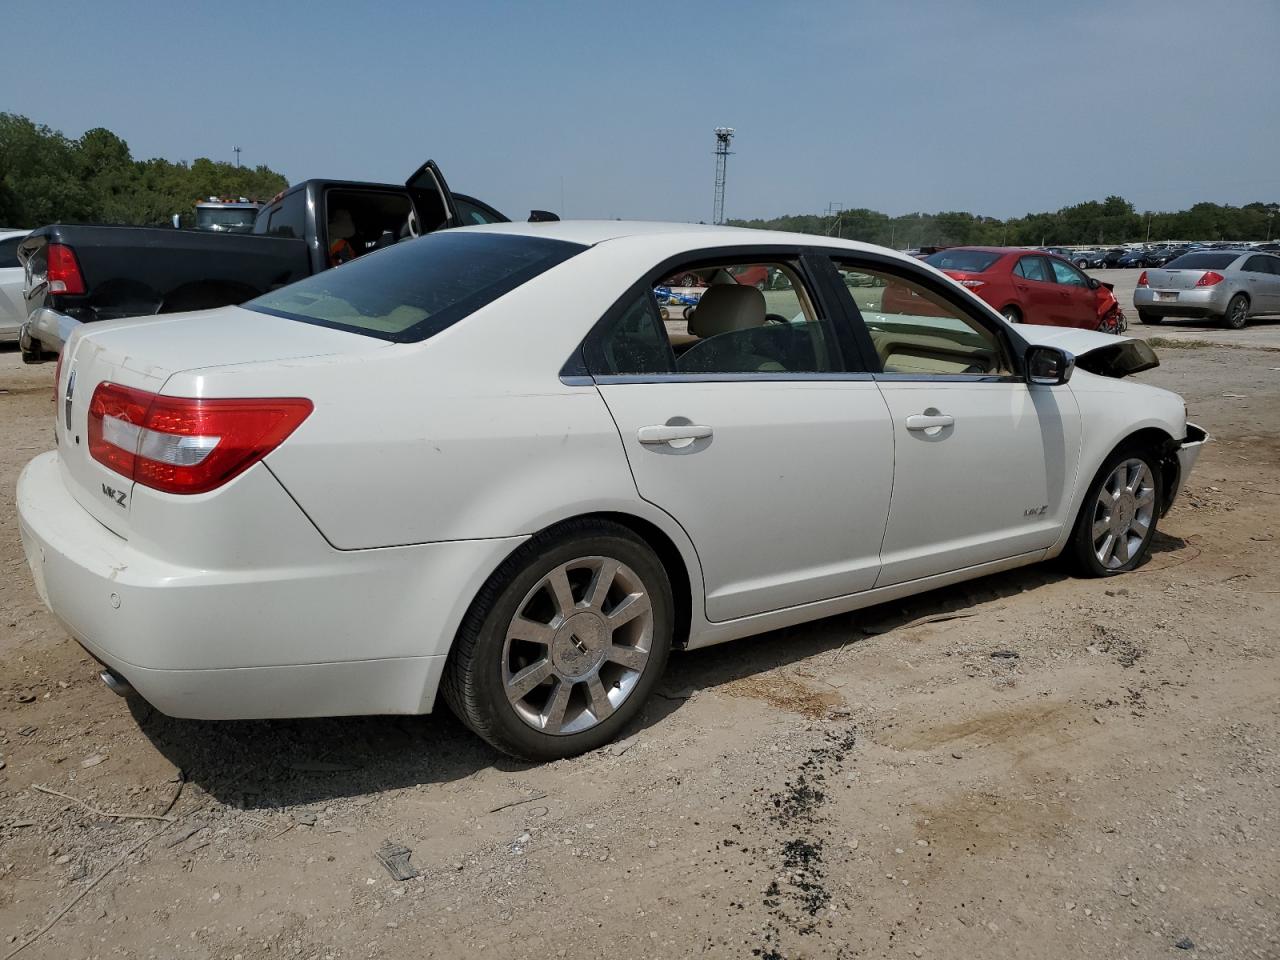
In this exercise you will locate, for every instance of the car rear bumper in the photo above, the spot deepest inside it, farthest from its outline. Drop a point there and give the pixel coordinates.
(250, 643)
(1202, 302)
(44, 333)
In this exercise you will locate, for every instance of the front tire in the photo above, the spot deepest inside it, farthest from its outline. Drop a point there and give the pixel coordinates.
(1012, 314)
(564, 643)
(1237, 314)
(1118, 519)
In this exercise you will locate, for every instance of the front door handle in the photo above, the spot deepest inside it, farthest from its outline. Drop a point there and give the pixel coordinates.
(678, 435)
(924, 421)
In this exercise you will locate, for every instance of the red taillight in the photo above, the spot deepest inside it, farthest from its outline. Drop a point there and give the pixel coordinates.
(1209, 279)
(182, 444)
(971, 284)
(64, 270)
(1142, 279)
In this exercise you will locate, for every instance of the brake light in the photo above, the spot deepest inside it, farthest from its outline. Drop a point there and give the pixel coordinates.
(1209, 279)
(971, 284)
(63, 270)
(1142, 279)
(184, 444)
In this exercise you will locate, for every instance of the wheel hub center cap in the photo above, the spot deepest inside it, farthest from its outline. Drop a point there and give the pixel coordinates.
(1125, 511)
(579, 645)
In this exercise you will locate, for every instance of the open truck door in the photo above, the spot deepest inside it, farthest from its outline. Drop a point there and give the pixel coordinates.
(433, 207)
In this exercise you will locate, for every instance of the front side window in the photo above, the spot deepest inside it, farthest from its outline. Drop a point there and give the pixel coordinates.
(916, 331)
(417, 288)
(1065, 273)
(730, 318)
(1033, 268)
(360, 221)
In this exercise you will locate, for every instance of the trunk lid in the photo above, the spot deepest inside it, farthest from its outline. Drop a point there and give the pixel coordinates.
(1162, 278)
(144, 353)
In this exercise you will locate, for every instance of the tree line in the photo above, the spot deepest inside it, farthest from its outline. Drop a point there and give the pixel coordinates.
(1113, 221)
(47, 177)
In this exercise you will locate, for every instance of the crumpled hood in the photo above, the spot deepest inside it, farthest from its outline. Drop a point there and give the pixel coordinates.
(1071, 339)
(1101, 353)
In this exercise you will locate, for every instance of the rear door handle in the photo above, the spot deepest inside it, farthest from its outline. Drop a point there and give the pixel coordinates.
(923, 421)
(675, 434)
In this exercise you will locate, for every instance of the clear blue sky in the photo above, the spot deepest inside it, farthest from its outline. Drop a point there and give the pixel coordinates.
(999, 107)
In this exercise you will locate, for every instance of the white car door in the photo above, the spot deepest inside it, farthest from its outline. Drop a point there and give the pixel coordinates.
(774, 455)
(985, 464)
(12, 306)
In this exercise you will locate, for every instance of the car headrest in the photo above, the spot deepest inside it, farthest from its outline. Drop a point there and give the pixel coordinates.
(725, 307)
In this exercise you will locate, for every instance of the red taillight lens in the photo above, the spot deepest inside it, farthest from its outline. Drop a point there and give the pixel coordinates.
(1142, 279)
(1209, 279)
(64, 270)
(182, 444)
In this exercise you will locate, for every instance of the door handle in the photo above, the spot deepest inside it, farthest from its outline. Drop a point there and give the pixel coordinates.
(673, 433)
(924, 421)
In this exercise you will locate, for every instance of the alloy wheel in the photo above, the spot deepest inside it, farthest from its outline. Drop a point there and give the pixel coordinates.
(577, 645)
(1123, 513)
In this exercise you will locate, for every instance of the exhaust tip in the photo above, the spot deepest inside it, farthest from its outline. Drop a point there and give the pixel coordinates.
(115, 683)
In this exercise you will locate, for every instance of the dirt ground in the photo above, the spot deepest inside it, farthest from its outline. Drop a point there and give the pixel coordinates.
(1064, 768)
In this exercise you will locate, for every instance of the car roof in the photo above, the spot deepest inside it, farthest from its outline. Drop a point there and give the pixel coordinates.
(591, 232)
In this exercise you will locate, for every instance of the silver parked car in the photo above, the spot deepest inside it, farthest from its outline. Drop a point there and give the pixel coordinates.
(12, 306)
(1226, 285)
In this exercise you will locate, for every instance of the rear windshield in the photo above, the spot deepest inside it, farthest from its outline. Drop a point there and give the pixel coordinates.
(965, 261)
(1203, 261)
(417, 288)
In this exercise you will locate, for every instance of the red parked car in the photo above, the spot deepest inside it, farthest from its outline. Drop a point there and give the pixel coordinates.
(1027, 286)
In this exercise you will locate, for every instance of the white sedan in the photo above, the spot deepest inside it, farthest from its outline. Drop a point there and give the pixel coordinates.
(12, 305)
(480, 463)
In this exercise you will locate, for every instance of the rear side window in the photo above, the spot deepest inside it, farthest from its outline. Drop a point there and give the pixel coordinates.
(1202, 261)
(9, 252)
(1261, 264)
(965, 261)
(287, 218)
(415, 289)
(1033, 268)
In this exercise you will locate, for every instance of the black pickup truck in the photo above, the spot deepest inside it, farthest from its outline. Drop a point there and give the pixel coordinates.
(81, 273)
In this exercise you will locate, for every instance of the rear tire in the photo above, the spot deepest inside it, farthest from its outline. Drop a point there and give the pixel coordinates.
(1012, 314)
(547, 663)
(1237, 314)
(1118, 518)
(1146, 316)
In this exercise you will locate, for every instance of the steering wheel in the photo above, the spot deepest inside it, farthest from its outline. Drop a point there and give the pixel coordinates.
(776, 318)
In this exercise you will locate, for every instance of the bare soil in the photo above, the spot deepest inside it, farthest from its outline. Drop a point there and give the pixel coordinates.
(1064, 768)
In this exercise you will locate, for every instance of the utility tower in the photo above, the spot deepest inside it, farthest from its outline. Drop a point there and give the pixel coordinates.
(236, 150)
(724, 135)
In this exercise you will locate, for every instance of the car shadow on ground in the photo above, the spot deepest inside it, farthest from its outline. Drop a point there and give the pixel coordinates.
(283, 763)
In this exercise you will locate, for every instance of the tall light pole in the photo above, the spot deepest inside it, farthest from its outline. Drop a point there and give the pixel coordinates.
(236, 151)
(724, 136)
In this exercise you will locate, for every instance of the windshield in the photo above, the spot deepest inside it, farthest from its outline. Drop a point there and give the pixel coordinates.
(417, 288)
(964, 261)
(1203, 261)
(234, 220)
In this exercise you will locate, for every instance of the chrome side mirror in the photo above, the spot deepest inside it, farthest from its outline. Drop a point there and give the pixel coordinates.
(1048, 366)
